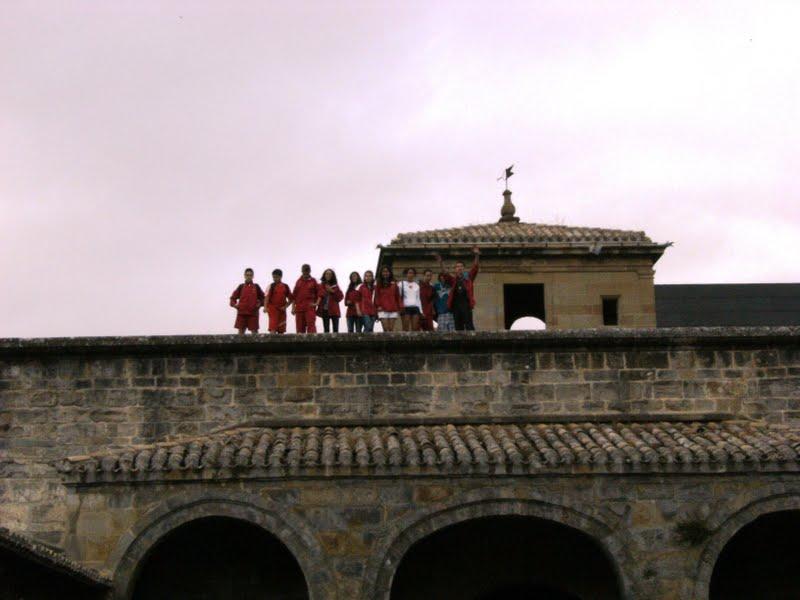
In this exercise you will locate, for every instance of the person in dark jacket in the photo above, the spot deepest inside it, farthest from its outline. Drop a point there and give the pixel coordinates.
(462, 294)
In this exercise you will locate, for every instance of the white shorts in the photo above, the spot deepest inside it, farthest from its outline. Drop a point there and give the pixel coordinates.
(382, 314)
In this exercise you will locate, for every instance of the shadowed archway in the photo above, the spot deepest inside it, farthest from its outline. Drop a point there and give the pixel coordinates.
(509, 557)
(761, 560)
(219, 558)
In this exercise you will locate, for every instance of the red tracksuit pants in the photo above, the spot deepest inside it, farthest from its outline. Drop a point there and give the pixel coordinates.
(277, 319)
(306, 320)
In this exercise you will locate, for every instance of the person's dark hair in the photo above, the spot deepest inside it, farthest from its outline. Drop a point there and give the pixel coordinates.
(249, 269)
(305, 268)
(354, 284)
(460, 262)
(365, 279)
(426, 271)
(277, 272)
(384, 283)
(333, 277)
(408, 270)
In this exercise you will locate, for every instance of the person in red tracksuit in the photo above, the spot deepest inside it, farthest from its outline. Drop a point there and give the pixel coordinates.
(330, 294)
(278, 299)
(387, 299)
(366, 302)
(365, 307)
(351, 297)
(426, 295)
(246, 299)
(306, 298)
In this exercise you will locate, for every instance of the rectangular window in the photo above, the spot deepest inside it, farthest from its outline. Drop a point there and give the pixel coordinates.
(611, 311)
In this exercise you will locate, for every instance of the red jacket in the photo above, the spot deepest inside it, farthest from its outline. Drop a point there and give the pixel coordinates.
(388, 298)
(334, 298)
(306, 292)
(469, 284)
(352, 298)
(247, 298)
(426, 295)
(278, 294)
(366, 300)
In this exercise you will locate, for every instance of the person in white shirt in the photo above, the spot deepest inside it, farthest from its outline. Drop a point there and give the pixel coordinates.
(412, 304)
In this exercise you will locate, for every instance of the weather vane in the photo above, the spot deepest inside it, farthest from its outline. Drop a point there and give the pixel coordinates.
(507, 174)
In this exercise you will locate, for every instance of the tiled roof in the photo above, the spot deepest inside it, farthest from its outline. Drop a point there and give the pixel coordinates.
(521, 448)
(21, 545)
(521, 233)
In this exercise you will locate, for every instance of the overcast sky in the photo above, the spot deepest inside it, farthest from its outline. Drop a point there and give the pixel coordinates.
(149, 151)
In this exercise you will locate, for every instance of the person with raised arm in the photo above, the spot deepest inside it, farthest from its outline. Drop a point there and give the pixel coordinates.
(462, 294)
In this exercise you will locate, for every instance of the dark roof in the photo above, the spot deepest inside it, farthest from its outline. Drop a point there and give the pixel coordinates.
(521, 234)
(521, 448)
(728, 304)
(43, 554)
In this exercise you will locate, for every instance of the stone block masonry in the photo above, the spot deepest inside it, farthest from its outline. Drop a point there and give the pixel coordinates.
(69, 397)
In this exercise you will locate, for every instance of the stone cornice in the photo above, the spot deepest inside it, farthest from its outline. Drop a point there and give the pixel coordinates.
(481, 341)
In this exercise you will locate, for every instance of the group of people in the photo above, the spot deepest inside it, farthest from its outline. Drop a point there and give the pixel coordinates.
(416, 303)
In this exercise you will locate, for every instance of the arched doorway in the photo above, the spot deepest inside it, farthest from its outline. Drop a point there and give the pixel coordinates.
(216, 558)
(508, 557)
(762, 560)
(523, 300)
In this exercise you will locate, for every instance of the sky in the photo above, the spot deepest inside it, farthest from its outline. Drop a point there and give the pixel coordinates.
(149, 151)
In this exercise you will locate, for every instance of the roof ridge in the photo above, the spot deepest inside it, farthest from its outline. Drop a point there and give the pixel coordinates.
(521, 231)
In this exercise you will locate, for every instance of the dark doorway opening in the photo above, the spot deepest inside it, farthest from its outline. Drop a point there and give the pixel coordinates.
(509, 558)
(523, 300)
(761, 561)
(220, 558)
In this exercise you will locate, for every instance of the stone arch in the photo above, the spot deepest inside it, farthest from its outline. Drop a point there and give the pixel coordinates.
(135, 544)
(381, 570)
(728, 528)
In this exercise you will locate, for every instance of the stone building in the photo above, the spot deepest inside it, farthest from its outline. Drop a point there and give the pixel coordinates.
(568, 277)
(595, 464)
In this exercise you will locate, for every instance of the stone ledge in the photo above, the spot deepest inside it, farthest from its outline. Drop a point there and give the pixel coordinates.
(402, 342)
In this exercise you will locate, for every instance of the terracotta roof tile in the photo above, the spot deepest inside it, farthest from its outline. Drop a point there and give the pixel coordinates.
(440, 449)
(520, 233)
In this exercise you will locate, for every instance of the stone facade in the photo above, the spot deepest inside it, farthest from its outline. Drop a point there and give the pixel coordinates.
(573, 286)
(662, 528)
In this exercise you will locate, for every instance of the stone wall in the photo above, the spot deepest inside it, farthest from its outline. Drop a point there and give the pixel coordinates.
(75, 396)
(350, 537)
